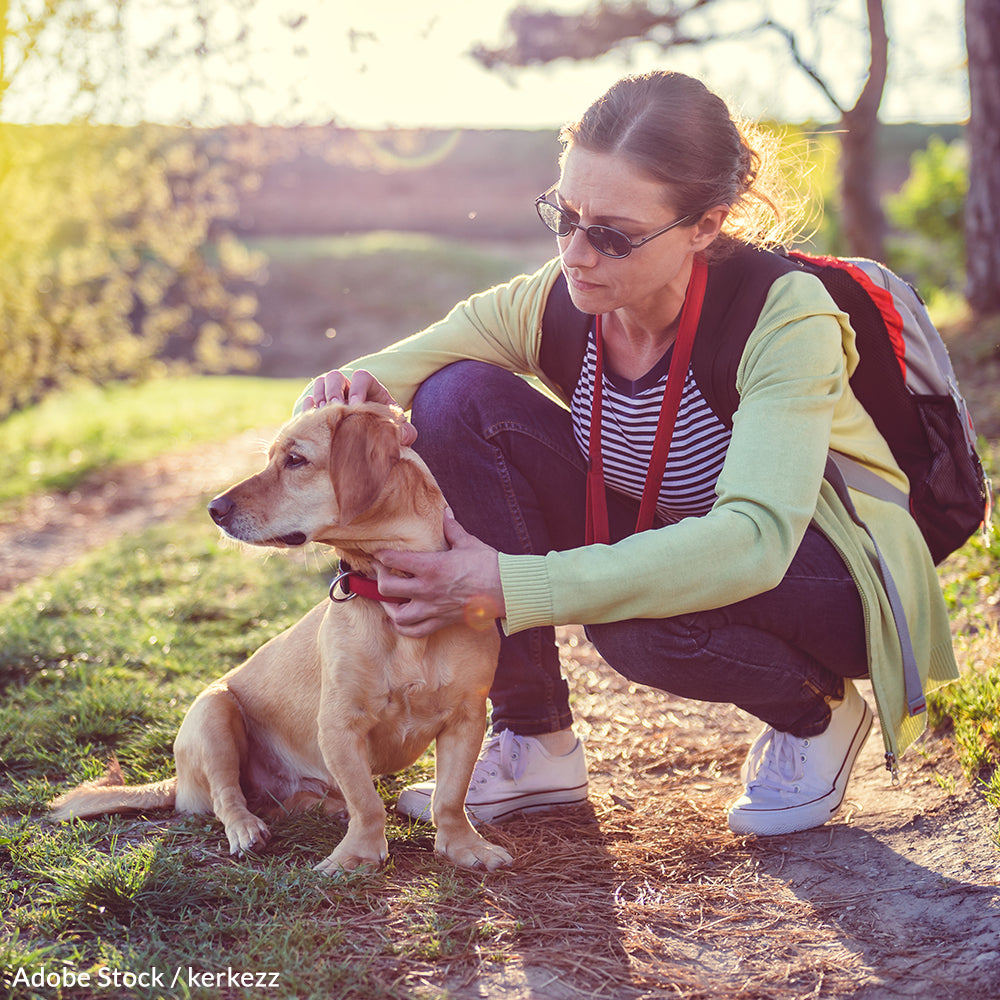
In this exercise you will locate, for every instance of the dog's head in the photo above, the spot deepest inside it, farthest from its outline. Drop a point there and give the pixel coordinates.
(338, 475)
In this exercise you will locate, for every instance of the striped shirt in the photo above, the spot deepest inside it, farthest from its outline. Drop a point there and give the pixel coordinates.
(630, 413)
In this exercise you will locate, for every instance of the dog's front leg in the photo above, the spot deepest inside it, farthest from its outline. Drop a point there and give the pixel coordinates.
(364, 845)
(456, 750)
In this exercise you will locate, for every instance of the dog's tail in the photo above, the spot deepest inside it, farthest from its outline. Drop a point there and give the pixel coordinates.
(110, 794)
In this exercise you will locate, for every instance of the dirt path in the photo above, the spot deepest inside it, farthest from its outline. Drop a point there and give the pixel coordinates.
(53, 530)
(898, 898)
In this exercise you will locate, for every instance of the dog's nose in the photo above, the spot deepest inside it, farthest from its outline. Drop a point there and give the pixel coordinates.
(221, 509)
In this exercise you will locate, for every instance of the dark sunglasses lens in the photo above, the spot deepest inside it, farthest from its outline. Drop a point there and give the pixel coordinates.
(609, 242)
(553, 218)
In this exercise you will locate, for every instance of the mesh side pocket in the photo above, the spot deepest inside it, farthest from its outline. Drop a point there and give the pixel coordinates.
(946, 495)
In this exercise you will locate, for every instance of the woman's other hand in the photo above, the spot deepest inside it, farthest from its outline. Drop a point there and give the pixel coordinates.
(460, 584)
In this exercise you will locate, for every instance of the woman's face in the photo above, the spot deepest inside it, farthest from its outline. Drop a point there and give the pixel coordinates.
(604, 189)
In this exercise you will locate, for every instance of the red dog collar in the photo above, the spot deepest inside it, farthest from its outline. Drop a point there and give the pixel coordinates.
(355, 584)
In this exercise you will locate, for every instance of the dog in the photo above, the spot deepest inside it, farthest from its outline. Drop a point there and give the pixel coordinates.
(340, 696)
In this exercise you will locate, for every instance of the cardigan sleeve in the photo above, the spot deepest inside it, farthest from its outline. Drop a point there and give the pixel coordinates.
(792, 381)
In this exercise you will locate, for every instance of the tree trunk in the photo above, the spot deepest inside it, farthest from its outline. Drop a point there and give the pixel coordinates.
(982, 207)
(863, 219)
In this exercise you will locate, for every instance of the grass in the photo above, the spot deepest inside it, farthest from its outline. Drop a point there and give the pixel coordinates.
(55, 445)
(104, 659)
(966, 711)
(330, 299)
(116, 648)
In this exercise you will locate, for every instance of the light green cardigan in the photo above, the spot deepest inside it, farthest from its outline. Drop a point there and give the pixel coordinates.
(795, 404)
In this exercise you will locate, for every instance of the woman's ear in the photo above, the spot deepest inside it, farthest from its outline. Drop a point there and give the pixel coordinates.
(708, 227)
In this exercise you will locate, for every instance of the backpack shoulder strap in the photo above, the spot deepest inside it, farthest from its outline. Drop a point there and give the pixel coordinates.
(738, 286)
(564, 338)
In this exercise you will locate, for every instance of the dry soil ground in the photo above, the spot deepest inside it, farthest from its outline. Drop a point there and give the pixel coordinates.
(899, 897)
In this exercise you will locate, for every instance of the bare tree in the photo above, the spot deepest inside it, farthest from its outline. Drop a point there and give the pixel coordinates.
(982, 207)
(540, 37)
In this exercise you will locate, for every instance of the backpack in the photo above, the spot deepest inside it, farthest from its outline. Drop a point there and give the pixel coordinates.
(904, 378)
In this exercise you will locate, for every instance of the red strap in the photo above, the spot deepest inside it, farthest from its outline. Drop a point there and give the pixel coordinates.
(597, 505)
(882, 297)
(597, 499)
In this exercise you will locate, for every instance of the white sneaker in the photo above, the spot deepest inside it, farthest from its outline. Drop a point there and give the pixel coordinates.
(795, 783)
(514, 774)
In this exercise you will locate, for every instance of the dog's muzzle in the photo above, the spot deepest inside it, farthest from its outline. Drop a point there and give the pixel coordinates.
(223, 512)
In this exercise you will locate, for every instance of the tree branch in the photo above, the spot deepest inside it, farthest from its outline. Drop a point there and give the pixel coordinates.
(870, 98)
(543, 36)
(800, 61)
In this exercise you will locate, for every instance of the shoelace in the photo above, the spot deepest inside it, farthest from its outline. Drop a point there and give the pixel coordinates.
(503, 754)
(775, 761)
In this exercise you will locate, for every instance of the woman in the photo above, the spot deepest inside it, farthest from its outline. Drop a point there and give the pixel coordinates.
(752, 584)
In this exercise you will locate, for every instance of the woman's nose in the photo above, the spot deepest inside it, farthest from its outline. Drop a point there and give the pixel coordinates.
(576, 250)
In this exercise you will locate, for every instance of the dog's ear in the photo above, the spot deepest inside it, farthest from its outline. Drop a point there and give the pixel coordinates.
(363, 450)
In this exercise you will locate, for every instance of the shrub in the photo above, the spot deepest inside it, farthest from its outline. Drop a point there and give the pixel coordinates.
(929, 209)
(115, 257)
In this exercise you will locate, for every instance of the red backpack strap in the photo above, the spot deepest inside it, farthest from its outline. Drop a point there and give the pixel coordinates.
(882, 298)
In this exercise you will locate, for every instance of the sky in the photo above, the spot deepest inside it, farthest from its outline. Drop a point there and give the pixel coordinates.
(413, 68)
(405, 63)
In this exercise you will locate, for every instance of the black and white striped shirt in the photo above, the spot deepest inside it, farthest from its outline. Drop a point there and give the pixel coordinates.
(630, 412)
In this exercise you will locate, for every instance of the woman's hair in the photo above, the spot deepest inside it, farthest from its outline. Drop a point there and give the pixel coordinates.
(677, 131)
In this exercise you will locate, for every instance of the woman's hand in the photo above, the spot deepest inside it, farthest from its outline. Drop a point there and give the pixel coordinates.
(335, 386)
(460, 584)
(361, 387)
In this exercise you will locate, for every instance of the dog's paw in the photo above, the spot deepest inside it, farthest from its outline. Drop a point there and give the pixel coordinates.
(472, 852)
(349, 857)
(246, 833)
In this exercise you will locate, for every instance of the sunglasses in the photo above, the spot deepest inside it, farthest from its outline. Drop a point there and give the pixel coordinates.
(605, 240)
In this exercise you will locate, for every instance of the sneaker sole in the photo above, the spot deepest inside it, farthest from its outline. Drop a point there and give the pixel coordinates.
(794, 819)
(498, 812)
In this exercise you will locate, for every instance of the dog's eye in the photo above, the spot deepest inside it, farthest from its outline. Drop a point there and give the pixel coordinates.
(295, 461)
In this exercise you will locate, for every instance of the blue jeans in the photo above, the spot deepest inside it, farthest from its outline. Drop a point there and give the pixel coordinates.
(508, 464)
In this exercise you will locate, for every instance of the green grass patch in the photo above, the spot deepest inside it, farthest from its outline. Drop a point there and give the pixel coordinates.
(966, 710)
(55, 445)
(103, 659)
(106, 657)
(397, 282)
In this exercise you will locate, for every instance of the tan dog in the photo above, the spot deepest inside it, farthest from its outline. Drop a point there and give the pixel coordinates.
(340, 695)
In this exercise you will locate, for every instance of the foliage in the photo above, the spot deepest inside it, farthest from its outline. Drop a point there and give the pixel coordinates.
(117, 258)
(115, 261)
(930, 209)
